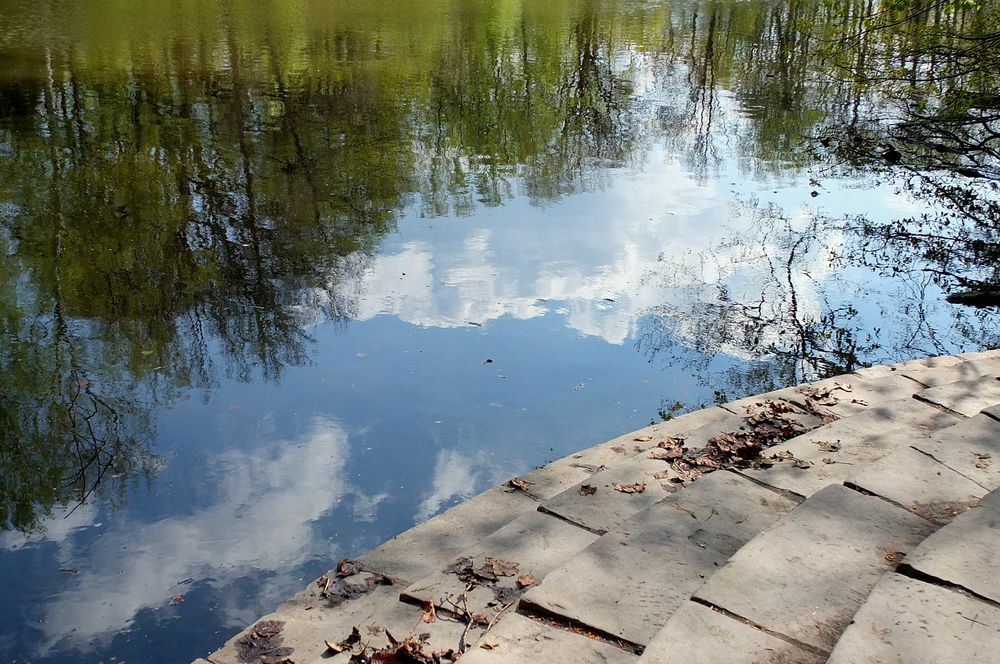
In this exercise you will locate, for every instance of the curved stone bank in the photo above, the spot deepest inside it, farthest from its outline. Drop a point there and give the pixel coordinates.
(870, 532)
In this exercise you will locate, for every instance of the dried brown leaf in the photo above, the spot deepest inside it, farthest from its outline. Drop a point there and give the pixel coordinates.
(347, 568)
(518, 483)
(588, 490)
(429, 615)
(642, 439)
(637, 487)
(525, 580)
(666, 454)
(501, 567)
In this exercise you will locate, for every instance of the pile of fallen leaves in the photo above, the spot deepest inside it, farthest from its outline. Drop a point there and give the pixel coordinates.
(488, 575)
(410, 650)
(338, 589)
(767, 423)
(263, 644)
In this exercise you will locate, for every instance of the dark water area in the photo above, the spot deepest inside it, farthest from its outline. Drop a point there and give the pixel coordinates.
(281, 279)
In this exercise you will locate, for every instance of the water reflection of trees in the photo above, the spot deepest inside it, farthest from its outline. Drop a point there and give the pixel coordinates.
(196, 187)
(938, 137)
(202, 197)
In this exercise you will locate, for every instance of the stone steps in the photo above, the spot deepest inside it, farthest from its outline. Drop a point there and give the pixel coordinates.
(943, 607)
(799, 582)
(668, 571)
(789, 594)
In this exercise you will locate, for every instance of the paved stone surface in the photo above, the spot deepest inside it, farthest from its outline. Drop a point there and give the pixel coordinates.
(521, 640)
(859, 440)
(962, 371)
(993, 411)
(965, 552)
(967, 397)
(863, 393)
(698, 635)
(420, 550)
(912, 622)
(941, 361)
(558, 476)
(641, 571)
(536, 542)
(309, 620)
(920, 484)
(607, 507)
(806, 576)
(970, 448)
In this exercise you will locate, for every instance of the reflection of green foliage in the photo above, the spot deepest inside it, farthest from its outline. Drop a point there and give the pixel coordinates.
(181, 181)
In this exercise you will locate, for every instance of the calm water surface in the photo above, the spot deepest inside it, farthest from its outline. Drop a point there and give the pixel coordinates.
(280, 279)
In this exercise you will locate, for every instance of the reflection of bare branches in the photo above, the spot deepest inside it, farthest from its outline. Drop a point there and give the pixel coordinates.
(96, 453)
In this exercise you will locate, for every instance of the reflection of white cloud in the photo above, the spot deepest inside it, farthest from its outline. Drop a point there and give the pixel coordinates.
(511, 267)
(259, 519)
(61, 525)
(457, 475)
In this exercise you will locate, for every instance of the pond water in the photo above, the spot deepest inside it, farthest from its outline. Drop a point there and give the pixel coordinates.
(281, 279)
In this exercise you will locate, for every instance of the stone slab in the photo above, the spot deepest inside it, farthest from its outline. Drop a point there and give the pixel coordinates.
(993, 411)
(977, 369)
(863, 393)
(940, 361)
(862, 439)
(309, 620)
(420, 550)
(607, 507)
(698, 635)
(536, 542)
(970, 448)
(739, 406)
(641, 571)
(967, 397)
(982, 354)
(920, 484)
(965, 552)
(909, 621)
(517, 640)
(562, 474)
(805, 576)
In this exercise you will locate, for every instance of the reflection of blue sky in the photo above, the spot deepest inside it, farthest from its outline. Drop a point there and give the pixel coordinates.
(259, 516)
(653, 237)
(398, 417)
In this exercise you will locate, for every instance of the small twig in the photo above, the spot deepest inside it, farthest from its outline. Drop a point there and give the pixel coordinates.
(468, 624)
(497, 616)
